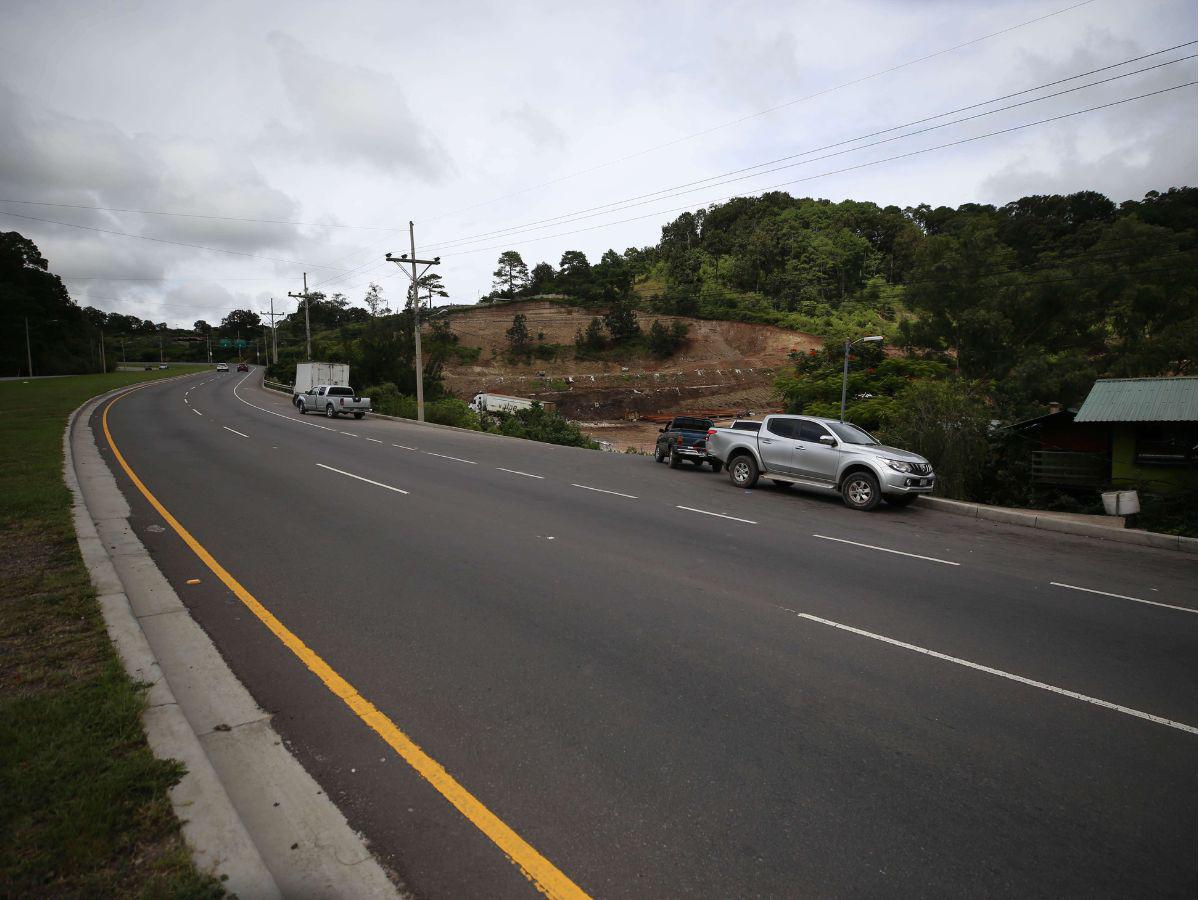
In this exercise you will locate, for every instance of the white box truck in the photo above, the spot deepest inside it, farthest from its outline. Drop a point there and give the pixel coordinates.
(311, 374)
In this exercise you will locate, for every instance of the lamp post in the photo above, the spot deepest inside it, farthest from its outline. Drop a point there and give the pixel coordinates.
(874, 338)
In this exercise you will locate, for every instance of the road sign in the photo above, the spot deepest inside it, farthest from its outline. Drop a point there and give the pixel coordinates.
(224, 343)
(240, 343)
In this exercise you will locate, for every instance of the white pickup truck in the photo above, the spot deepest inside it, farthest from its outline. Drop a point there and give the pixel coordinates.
(333, 400)
(822, 454)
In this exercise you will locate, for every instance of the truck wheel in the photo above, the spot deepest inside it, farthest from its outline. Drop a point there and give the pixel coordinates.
(716, 464)
(675, 462)
(781, 484)
(330, 412)
(743, 472)
(901, 499)
(303, 409)
(860, 490)
(660, 454)
(359, 415)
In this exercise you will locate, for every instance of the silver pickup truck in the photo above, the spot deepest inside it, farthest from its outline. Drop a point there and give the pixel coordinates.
(823, 454)
(333, 400)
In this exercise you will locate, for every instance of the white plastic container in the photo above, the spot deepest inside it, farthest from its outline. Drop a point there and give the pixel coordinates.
(1121, 503)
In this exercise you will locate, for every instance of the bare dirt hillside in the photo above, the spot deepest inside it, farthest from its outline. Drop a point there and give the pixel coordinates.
(724, 365)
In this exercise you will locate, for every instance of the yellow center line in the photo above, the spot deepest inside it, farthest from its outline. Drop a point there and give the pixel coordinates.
(545, 876)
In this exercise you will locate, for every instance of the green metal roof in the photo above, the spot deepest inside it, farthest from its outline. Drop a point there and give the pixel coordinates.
(1140, 400)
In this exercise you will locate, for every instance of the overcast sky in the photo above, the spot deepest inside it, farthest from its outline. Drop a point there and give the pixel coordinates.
(474, 117)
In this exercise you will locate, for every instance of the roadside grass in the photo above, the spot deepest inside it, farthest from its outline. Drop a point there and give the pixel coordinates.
(83, 803)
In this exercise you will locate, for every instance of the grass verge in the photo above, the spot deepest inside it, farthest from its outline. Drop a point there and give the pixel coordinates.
(83, 803)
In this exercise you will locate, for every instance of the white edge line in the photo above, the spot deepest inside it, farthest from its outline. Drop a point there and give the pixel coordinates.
(235, 431)
(469, 462)
(944, 562)
(515, 472)
(705, 512)
(1076, 587)
(1150, 717)
(603, 491)
(360, 478)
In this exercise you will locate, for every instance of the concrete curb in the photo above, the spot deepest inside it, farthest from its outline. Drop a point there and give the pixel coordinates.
(250, 812)
(211, 826)
(1029, 519)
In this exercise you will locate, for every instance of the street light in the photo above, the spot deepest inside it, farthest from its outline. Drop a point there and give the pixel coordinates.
(874, 338)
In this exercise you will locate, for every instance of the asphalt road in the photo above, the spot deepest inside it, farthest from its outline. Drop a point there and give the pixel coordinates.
(648, 675)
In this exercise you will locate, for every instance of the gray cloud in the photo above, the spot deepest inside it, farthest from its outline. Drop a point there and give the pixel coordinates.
(538, 128)
(352, 113)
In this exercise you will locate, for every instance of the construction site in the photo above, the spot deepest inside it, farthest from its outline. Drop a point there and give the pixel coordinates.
(724, 369)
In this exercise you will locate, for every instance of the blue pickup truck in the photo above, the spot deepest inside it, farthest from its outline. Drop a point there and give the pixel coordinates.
(685, 437)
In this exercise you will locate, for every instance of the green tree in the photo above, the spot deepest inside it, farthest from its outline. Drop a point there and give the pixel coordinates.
(199, 326)
(590, 339)
(376, 305)
(621, 321)
(245, 320)
(511, 275)
(948, 423)
(575, 274)
(430, 285)
(542, 278)
(518, 335)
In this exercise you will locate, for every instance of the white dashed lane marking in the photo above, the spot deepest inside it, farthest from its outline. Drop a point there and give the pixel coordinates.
(705, 512)
(1123, 597)
(944, 562)
(603, 491)
(469, 462)
(360, 478)
(1150, 717)
(515, 472)
(235, 431)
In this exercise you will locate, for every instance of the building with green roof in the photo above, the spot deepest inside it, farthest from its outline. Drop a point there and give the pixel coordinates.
(1153, 430)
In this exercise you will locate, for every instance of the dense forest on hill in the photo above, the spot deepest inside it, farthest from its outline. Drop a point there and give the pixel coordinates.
(1039, 296)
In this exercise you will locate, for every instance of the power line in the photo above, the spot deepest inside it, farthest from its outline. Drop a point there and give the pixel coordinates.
(853, 168)
(664, 194)
(769, 110)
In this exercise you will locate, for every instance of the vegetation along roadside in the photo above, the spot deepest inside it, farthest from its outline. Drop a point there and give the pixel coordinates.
(83, 802)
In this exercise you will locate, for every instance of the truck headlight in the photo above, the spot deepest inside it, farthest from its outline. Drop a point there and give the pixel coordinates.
(899, 465)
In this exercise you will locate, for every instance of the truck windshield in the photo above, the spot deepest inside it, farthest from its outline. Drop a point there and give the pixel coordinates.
(687, 424)
(851, 434)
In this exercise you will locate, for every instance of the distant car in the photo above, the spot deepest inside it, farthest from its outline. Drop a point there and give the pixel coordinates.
(162, 365)
(242, 367)
(222, 367)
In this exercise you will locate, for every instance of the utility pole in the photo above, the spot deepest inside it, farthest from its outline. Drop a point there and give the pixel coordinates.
(416, 305)
(873, 339)
(103, 359)
(28, 352)
(274, 345)
(160, 349)
(122, 351)
(307, 332)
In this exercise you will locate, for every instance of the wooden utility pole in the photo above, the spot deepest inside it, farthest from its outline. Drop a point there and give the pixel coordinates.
(274, 344)
(307, 332)
(401, 261)
(28, 351)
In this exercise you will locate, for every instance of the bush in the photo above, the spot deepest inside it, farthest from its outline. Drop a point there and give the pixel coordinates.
(947, 422)
(540, 424)
(387, 399)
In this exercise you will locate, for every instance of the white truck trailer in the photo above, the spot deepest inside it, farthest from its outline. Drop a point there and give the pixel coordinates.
(499, 403)
(311, 374)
